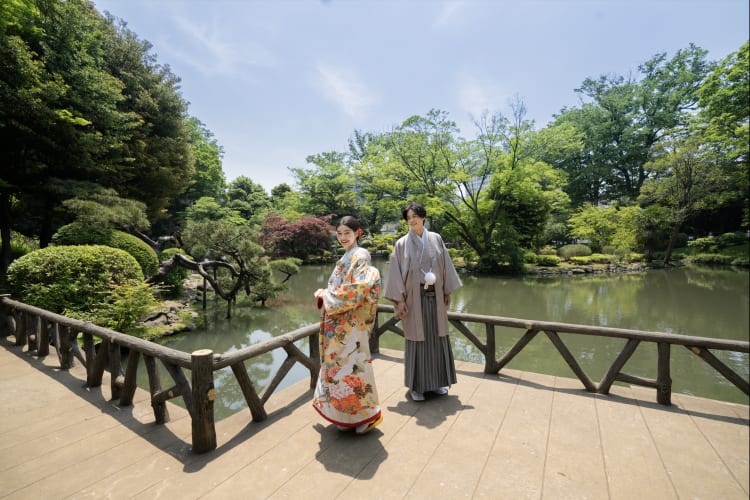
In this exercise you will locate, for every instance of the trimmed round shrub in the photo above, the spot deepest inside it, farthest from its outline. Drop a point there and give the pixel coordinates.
(581, 260)
(565, 252)
(704, 245)
(529, 257)
(712, 259)
(599, 258)
(71, 278)
(548, 250)
(621, 253)
(77, 233)
(144, 254)
(731, 239)
(547, 260)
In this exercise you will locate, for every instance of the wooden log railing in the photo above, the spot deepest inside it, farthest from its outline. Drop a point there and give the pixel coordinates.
(37, 329)
(663, 382)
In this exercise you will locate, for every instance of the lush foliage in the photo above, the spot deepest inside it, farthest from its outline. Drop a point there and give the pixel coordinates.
(547, 260)
(122, 309)
(94, 131)
(231, 259)
(566, 252)
(82, 98)
(72, 279)
(171, 284)
(77, 233)
(603, 226)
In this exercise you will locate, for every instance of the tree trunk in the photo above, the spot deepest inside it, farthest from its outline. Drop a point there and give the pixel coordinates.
(45, 233)
(4, 231)
(670, 245)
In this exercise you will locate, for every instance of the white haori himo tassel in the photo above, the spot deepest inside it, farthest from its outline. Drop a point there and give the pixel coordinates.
(429, 279)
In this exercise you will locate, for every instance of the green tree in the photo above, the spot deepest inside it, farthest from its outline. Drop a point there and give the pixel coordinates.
(623, 119)
(229, 257)
(723, 99)
(207, 181)
(82, 99)
(422, 148)
(502, 195)
(155, 162)
(285, 201)
(586, 167)
(58, 105)
(688, 178)
(102, 207)
(249, 199)
(328, 186)
(377, 173)
(605, 226)
(208, 209)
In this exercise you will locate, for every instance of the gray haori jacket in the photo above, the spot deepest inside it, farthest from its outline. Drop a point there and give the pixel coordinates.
(409, 262)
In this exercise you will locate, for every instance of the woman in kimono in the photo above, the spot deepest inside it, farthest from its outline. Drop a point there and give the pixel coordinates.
(420, 280)
(345, 393)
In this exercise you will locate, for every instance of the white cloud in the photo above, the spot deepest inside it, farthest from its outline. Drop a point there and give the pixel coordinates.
(346, 90)
(210, 50)
(449, 12)
(476, 96)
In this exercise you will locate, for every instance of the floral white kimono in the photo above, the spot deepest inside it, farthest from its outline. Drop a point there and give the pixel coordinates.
(345, 393)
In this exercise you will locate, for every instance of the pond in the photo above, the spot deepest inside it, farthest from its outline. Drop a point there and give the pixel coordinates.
(697, 301)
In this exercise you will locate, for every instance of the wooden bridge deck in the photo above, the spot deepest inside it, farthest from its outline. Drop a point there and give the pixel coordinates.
(515, 435)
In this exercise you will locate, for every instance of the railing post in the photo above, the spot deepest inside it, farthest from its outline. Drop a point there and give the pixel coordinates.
(204, 430)
(490, 358)
(6, 324)
(115, 369)
(42, 348)
(33, 327)
(663, 378)
(314, 358)
(89, 350)
(374, 337)
(161, 413)
(22, 318)
(64, 351)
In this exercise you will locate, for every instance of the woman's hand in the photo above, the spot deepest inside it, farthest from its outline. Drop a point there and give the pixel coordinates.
(319, 297)
(447, 299)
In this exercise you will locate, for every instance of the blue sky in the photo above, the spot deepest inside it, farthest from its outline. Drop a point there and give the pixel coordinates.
(276, 81)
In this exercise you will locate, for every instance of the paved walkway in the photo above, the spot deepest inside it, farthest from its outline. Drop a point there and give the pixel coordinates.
(516, 435)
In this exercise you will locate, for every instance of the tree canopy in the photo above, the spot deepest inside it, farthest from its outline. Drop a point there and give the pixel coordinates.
(93, 128)
(83, 99)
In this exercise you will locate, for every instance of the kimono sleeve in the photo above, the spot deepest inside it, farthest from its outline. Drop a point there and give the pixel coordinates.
(355, 289)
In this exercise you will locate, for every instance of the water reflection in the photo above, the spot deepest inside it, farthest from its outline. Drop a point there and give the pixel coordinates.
(700, 302)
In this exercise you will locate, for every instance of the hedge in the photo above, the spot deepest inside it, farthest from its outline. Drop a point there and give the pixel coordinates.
(71, 278)
(77, 233)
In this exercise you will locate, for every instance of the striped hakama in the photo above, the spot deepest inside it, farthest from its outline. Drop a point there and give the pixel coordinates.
(429, 363)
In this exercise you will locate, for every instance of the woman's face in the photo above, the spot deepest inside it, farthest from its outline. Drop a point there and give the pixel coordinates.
(346, 236)
(416, 223)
